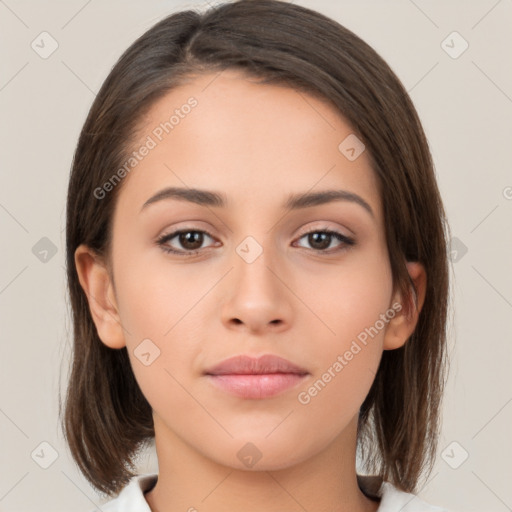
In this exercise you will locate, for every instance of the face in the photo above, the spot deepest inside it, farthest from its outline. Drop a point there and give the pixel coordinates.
(309, 282)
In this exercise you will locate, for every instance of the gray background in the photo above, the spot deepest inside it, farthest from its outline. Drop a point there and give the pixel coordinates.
(465, 104)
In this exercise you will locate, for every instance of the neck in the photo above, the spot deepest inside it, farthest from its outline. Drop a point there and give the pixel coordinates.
(190, 481)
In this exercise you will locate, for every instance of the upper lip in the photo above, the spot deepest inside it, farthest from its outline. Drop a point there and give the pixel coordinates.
(247, 365)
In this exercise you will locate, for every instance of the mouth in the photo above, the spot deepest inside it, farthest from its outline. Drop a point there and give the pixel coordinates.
(256, 378)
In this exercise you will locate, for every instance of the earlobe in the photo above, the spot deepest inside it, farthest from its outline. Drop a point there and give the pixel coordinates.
(97, 285)
(402, 325)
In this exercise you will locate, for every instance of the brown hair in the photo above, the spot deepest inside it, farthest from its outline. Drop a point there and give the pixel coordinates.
(107, 420)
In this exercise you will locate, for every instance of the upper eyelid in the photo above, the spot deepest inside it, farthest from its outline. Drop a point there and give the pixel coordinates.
(323, 227)
(177, 231)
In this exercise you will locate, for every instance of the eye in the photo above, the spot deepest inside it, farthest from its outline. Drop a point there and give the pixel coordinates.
(320, 240)
(190, 241)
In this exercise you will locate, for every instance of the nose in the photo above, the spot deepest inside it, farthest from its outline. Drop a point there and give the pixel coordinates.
(256, 297)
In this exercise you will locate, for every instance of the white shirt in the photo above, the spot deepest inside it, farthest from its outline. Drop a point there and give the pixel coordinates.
(131, 498)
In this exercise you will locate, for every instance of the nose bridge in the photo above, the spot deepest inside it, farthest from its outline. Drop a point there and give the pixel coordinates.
(254, 258)
(257, 248)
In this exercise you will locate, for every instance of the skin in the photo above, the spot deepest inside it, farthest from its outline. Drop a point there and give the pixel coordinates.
(293, 300)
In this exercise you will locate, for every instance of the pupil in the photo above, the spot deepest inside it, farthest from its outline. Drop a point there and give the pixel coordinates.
(191, 239)
(324, 240)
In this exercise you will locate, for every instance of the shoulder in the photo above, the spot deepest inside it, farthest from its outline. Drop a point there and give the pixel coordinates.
(394, 500)
(131, 498)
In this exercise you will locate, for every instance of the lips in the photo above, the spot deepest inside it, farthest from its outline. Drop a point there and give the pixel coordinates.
(256, 378)
(246, 365)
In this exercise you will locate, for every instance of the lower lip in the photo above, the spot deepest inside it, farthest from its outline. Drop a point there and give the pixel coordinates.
(256, 386)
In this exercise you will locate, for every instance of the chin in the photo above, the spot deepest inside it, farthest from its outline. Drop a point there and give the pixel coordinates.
(253, 453)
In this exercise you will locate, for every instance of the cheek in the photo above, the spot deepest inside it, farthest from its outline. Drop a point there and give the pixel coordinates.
(349, 297)
(155, 299)
(164, 340)
(352, 304)
(159, 313)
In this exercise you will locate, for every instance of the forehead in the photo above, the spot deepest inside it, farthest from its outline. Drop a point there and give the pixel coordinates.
(254, 142)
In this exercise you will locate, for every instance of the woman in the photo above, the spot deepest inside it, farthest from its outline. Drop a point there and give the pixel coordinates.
(257, 266)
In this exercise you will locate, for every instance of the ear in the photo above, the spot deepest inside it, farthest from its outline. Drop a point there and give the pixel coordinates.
(98, 287)
(402, 325)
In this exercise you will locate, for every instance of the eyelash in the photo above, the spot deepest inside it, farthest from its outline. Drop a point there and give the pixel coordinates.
(161, 241)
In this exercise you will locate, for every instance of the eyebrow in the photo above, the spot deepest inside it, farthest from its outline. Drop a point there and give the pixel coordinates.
(294, 201)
